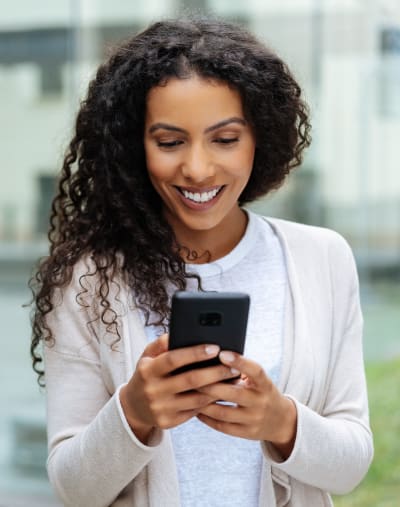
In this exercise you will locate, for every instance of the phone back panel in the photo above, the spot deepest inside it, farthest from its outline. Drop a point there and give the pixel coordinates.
(209, 317)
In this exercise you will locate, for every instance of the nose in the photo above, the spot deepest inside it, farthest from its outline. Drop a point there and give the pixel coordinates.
(198, 166)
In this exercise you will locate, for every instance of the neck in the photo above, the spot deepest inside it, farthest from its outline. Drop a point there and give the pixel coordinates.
(202, 246)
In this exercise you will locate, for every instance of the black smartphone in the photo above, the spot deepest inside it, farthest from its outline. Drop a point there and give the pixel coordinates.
(208, 317)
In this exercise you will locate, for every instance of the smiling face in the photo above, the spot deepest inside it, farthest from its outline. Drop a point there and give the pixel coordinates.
(199, 154)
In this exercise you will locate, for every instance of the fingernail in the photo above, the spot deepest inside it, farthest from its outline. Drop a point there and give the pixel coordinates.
(212, 350)
(227, 356)
(234, 371)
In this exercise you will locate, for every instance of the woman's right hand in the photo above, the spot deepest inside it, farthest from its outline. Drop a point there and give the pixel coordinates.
(155, 399)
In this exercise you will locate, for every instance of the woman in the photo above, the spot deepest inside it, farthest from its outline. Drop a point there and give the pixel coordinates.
(185, 123)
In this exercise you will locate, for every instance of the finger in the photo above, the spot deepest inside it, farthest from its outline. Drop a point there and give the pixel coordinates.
(172, 359)
(234, 393)
(176, 420)
(190, 401)
(181, 408)
(156, 347)
(197, 378)
(167, 409)
(230, 414)
(233, 429)
(247, 367)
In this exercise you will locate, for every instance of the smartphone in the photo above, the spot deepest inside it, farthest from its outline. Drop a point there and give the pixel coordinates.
(208, 317)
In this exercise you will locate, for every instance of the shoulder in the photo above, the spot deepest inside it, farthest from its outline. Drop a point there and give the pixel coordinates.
(89, 285)
(320, 256)
(310, 239)
(295, 230)
(88, 273)
(315, 250)
(86, 310)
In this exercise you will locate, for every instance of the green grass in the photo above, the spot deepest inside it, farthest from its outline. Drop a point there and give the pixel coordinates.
(381, 487)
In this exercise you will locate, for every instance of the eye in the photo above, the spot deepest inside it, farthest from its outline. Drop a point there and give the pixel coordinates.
(169, 144)
(226, 140)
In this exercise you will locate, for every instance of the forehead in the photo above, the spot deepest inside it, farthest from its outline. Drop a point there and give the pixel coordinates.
(193, 99)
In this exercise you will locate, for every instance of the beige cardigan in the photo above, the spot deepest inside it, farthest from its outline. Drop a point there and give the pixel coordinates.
(94, 458)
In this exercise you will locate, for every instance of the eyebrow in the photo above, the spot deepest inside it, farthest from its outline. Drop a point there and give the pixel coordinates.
(223, 123)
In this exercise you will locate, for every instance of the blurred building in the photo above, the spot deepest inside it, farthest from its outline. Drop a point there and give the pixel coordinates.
(345, 53)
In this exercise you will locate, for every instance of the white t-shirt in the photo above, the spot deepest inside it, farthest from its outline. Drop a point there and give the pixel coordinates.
(213, 468)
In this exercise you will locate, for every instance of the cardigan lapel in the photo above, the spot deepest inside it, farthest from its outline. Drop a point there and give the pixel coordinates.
(297, 373)
(161, 473)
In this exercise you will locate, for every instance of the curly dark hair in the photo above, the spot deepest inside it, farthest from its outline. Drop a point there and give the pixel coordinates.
(106, 208)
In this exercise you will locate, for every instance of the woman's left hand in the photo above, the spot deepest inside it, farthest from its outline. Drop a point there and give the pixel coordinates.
(260, 412)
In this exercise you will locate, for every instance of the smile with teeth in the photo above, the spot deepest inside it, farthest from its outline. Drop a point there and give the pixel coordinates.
(200, 196)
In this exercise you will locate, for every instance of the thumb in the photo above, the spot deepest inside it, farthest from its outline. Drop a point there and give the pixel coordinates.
(157, 347)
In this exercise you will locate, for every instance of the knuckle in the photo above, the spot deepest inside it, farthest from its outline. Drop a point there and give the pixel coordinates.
(225, 372)
(240, 396)
(220, 412)
(199, 352)
(191, 378)
(217, 372)
(163, 422)
(157, 411)
(170, 361)
(265, 403)
(204, 399)
(142, 368)
(200, 398)
(259, 373)
(253, 432)
(218, 425)
(258, 418)
(149, 392)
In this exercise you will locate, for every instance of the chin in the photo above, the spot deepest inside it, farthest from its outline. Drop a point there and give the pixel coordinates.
(200, 225)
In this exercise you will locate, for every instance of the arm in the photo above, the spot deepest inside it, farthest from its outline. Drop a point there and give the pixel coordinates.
(333, 448)
(93, 454)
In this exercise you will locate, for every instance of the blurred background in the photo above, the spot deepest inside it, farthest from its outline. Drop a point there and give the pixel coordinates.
(345, 54)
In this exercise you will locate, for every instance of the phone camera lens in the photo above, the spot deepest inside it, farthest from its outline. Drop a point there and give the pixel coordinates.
(210, 319)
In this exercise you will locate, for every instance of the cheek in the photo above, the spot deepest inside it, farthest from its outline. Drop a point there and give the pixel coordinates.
(244, 156)
(160, 167)
(250, 152)
(242, 164)
(245, 168)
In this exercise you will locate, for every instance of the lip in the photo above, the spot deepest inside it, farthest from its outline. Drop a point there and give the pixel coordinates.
(199, 206)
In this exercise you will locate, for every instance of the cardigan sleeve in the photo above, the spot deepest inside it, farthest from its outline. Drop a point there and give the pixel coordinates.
(333, 447)
(93, 454)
